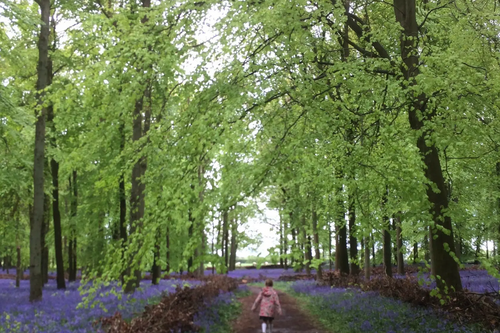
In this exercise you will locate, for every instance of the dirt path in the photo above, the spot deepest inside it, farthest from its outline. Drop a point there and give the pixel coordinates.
(293, 319)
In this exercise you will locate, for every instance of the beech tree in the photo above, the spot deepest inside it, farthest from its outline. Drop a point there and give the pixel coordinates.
(367, 125)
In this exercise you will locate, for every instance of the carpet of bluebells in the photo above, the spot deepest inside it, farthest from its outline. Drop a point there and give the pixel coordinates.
(348, 310)
(351, 310)
(58, 313)
(217, 314)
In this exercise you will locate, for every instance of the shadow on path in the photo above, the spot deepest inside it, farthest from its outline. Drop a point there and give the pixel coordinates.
(293, 319)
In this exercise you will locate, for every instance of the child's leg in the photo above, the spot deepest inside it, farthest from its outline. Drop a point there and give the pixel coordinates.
(270, 326)
(264, 325)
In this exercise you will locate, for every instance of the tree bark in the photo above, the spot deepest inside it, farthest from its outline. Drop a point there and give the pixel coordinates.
(317, 254)
(73, 237)
(330, 245)
(282, 240)
(234, 245)
(156, 269)
(306, 245)
(367, 258)
(399, 241)
(56, 214)
(225, 239)
(341, 255)
(415, 252)
(353, 242)
(140, 127)
(444, 264)
(373, 250)
(19, 271)
(45, 247)
(387, 238)
(36, 279)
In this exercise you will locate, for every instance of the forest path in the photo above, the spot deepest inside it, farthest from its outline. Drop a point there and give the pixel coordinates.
(293, 319)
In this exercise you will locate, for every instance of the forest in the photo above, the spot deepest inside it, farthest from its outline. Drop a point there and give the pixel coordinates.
(139, 138)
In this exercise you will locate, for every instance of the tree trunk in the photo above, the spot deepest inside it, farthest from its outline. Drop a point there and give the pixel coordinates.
(387, 237)
(330, 245)
(45, 247)
(294, 242)
(433, 263)
(285, 243)
(319, 271)
(19, 270)
(373, 250)
(306, 245)
(444, 264)
(190, 236)
(399, 241)
(156, 269)
(56, 214)
(353, 242)
(234, 245)
(225, 239)
(341, 255)
(367, 258)
(137, 193)
(282, 240)
(36, 278)
(73, 237)
(415, 252)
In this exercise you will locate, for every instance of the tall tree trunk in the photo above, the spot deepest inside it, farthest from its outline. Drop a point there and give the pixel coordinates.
(415, 252)
(294, 243)
(19, 270)
(140, 128)
(306, 245)
(433, 262)
(282, 239)
(373, 250)
(234, 245)
(36, 278)
(387, 238)
(399, 241)
(367, 258)
(353, 242)
(45, 247)
(156, 269)
(201, 226)
(444, 264)
(285, 243)
(317, 255)
(72, 257)
(122, 195)
(190, 236)
(225, 238)
(330, 245)
(56, 214)
(341, 255)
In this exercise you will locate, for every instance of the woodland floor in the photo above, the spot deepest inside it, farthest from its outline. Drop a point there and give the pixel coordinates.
(294, 319)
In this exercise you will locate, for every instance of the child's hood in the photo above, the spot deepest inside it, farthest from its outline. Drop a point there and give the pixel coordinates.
(267, 291)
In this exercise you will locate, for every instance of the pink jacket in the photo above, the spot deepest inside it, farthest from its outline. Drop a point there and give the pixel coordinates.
(269, 302)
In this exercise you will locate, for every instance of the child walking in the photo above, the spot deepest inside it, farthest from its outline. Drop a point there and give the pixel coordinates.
(269, 304)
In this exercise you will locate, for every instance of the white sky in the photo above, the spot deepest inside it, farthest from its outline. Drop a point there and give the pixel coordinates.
(270, 236)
